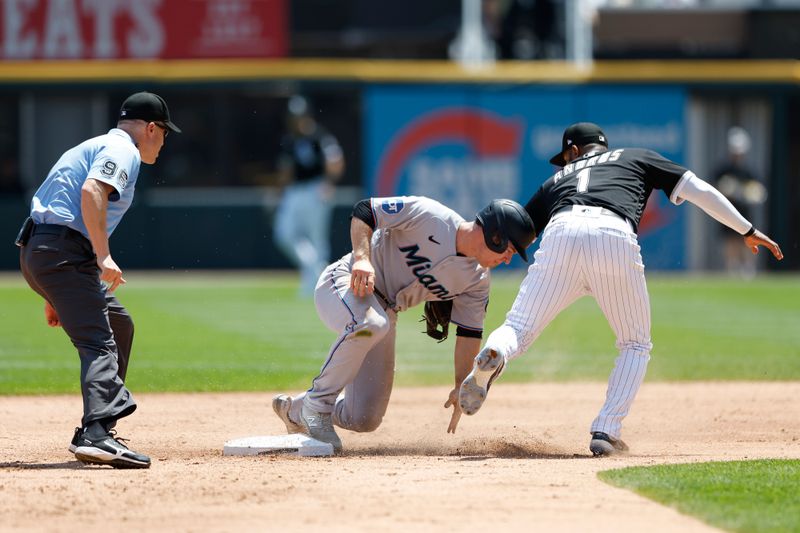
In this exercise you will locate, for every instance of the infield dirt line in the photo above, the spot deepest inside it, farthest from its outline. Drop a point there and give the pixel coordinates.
(520, 464)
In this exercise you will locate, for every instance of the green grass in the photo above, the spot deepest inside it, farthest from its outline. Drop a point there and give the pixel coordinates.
(250, 332)
(745, 496)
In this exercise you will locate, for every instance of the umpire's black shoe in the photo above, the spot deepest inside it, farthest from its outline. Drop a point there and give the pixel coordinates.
(108, 450)
(602, 444)
(73, 445)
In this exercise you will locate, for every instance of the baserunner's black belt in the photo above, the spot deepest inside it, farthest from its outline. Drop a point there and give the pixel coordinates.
(383, 299)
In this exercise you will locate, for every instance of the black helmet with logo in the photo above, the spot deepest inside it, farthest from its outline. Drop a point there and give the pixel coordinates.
(503, 221)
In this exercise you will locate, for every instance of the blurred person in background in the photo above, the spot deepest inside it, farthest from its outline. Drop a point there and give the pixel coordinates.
(735, 180)
(310, 163)
(525, 29)
(65, 258)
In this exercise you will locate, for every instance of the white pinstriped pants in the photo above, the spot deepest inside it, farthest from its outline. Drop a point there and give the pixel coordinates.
(587, 252)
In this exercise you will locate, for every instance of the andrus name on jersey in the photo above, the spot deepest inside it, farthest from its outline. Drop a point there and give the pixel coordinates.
(419, 265)
(598, 159)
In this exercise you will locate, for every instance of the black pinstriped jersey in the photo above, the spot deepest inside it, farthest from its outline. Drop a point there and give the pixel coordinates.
(619, 180)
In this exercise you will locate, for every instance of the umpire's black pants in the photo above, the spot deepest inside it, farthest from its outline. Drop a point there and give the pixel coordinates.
(60, 265)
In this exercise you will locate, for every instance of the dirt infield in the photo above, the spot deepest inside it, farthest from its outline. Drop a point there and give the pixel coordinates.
(520, 464)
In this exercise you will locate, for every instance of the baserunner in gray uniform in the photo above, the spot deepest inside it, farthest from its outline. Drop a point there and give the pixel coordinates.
(406, 250)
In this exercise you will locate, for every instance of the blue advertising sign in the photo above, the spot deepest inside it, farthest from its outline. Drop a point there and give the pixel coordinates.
(464, 145)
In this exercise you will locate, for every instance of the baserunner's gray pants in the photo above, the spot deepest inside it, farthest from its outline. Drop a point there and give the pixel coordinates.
(360, 361)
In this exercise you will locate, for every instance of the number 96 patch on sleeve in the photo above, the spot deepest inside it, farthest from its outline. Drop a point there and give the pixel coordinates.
(110, 168)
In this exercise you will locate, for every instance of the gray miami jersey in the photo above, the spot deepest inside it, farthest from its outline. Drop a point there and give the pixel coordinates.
(415, 259)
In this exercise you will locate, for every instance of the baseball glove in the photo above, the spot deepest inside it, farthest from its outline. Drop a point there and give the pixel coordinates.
(437, 319)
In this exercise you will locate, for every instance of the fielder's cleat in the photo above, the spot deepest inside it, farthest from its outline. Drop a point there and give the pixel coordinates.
(108, 450)
(282, 404)
(320, 426)
(73, 445)
(487, 367)
(602, 444)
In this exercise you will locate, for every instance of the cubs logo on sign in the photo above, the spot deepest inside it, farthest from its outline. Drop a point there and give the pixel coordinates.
(392, 206)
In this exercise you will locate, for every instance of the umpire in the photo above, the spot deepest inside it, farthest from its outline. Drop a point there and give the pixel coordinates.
(65, 257)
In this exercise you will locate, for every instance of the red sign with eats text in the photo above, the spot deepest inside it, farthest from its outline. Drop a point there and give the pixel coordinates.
(142, 29)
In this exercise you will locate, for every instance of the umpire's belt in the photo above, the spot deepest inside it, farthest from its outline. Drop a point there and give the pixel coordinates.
(61, 231)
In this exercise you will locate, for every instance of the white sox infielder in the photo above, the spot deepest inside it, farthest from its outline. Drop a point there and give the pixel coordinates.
(406, 250)
(591, 211)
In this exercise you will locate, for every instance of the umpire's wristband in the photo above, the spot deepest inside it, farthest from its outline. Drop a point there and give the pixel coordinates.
(750, 231)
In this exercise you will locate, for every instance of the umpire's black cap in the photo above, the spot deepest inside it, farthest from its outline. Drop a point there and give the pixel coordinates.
(148, 107)
(579, 134)
(503, 221)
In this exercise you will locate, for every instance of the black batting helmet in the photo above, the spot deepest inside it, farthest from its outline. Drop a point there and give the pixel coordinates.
(503, 221)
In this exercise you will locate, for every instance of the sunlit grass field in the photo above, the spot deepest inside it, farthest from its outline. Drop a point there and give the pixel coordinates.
(745, 496)
(249, 331)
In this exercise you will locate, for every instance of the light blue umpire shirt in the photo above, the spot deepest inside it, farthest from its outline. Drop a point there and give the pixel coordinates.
(111, 158)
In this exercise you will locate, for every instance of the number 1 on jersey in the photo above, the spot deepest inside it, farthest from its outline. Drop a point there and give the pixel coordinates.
(583, 180)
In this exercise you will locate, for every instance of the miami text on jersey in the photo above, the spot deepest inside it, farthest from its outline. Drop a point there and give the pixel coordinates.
(419, 265)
